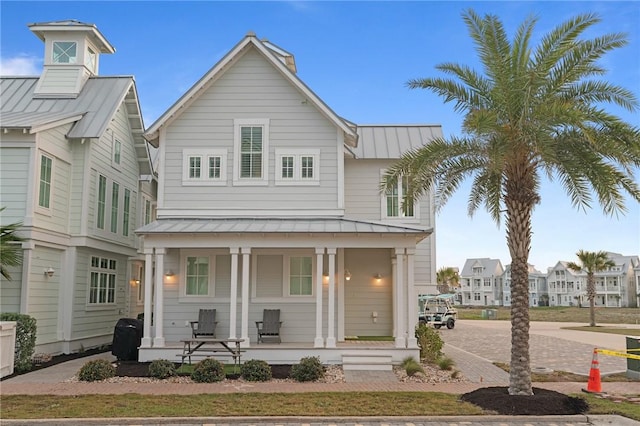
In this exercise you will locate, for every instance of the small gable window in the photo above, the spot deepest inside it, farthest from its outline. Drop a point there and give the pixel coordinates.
(204, 167)
(297, 167)
(251, 151)
(65, 52)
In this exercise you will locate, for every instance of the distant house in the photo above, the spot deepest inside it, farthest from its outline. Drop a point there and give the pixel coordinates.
(481, 282)
(75, 171)
(268, 199)
(615, 287)
(538, 293)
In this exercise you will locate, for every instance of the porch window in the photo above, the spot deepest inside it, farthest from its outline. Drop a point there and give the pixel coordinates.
(300, 276)
(392, 201)
(251, 152)
(197, 276)
(297, 166)
(204, 167)
(102, 285)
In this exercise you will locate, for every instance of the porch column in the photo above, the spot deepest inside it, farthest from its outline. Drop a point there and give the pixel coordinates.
(394, 296)
(331, 320)
(158, 340)
(244, 333)
(318, 342)
(27, 256)
(148, 291)
(233, 297)
(400, 317)
(412, 300)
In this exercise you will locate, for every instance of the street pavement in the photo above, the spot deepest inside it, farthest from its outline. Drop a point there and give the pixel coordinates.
(473, 345)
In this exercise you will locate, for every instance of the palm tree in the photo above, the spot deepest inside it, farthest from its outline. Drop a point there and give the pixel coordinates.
(10, 249)
(533, 112)
(591, 262)
(447, 277)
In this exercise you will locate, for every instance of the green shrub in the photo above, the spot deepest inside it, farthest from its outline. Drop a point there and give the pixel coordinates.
(411, 366)
(430, 343)
(208, 370)
(98, 369)
(308, 370)
(255, 370)
(162, 369)
(25, 339)
(445, 363)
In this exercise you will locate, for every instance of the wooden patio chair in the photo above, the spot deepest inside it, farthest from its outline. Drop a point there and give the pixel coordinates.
(269, 327)
(206, 324)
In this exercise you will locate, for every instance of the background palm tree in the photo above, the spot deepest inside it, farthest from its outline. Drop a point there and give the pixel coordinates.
(10, 249)
(532, 112)
(447, 278)
(591, 262)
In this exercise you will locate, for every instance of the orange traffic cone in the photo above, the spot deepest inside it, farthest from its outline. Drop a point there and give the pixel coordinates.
(594, 385)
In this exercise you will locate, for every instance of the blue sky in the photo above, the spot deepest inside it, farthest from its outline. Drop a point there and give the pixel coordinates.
(357, 56)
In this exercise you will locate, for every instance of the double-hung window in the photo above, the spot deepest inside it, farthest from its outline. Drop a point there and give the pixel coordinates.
(44, 192)
(115, 196)
(117, 152)
(65, 52)
(204, 167)
(125, 213)
(102, 283)
(251, 152)
(297, 167)
(197, 273)
(102, 201)
(300, 276)
(392, 202)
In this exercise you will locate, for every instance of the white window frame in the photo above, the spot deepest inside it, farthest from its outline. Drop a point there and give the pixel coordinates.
(114, 208)
(184, 297)
(116, 153)
(109, 273)
(415, 218)
(286, 276)
(104, 203)
(237, 126)
(297, 178)
(127, 195)
(53, 48)
(204, 155)
(42, 209)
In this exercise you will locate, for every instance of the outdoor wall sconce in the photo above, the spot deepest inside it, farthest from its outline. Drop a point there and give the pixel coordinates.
(49, 272)
(347, 275)
(169, 273)
(377, 276)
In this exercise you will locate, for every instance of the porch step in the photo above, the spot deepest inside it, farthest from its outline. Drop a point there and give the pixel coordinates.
(367, 361)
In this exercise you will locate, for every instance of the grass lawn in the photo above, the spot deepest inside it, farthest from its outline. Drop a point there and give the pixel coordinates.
(253, 404)
(559, 314)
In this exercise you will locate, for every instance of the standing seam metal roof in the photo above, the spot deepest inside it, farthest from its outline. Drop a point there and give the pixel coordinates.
(391, 141)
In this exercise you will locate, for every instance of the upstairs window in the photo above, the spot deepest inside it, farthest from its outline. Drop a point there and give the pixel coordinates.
(297, 167)
(117, 149)
(125, 213)
(251, 148)
(392, 202)
(102, 201)
(44, 193)
(204, 167)
(114, 207)
(65, 52)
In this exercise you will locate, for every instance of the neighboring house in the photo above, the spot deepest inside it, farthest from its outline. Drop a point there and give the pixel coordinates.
(538, 293)
(481, 282)
(615, 287)
(636, 273)
(75, 171)
(268, 199)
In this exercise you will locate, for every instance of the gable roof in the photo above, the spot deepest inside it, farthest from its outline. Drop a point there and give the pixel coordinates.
(268, 50)
(391, 141)
(492, 267)
(91, 112)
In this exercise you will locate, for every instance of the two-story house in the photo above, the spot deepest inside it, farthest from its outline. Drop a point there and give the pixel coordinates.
(538, 293)
(268, 199)
(75, 171)
(481, 282)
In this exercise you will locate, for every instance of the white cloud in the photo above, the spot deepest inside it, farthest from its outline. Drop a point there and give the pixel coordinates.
(20, 65)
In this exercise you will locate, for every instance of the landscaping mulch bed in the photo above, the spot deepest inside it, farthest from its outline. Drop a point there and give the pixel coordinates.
(141, 369)
(543, 402)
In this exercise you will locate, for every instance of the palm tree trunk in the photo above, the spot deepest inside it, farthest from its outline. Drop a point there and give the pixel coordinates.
(591, 295)
(519, 200)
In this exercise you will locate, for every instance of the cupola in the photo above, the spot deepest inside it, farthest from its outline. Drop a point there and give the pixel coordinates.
(71, 55)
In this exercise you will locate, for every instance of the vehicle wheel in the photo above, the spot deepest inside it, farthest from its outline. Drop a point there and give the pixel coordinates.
(450, 323)
(437, 325)
(422, 322)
